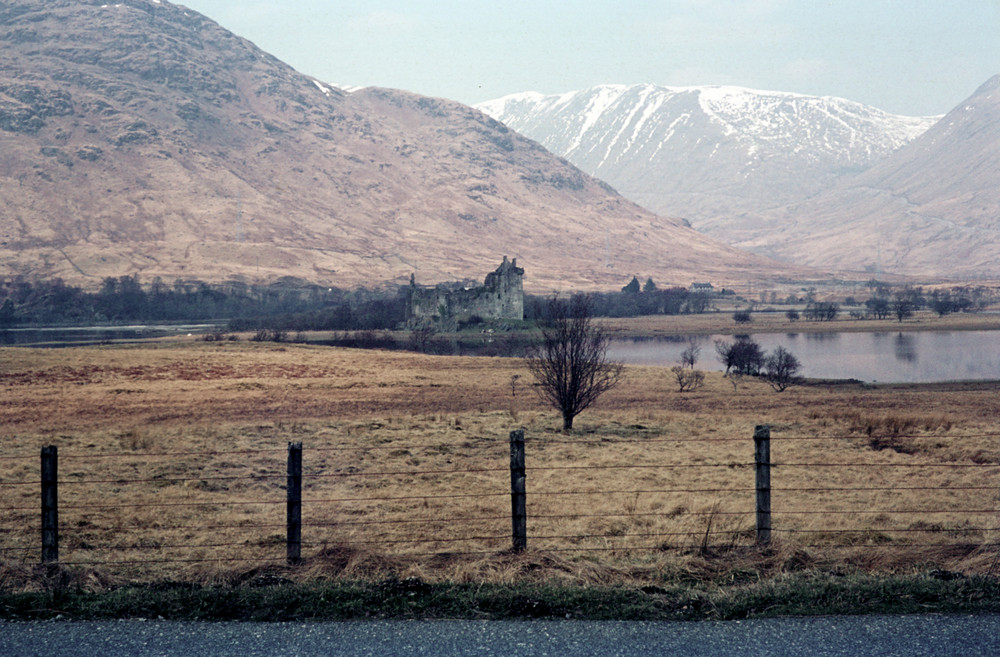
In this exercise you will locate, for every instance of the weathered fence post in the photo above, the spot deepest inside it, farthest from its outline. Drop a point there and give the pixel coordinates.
(294, 515)
(50, 504)
(762, 465)
(518, 501)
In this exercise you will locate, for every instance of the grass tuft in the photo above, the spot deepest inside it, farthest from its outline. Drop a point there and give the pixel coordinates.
(805, 594)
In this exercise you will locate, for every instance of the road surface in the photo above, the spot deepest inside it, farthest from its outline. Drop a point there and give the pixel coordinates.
(910, 636)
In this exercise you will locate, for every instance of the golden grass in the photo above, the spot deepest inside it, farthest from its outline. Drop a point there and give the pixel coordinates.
(172, 465)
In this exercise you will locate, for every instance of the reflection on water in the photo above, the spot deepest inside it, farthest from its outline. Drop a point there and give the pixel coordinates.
(77, 335)
(822, 337)
(905, 347)
(919, 356)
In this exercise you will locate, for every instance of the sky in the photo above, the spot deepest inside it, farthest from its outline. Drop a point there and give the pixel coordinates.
(912, 57)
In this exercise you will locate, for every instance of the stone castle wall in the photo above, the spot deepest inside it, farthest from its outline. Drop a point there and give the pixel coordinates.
(500, 297)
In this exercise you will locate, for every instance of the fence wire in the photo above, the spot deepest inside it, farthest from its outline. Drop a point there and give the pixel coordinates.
(218, 514)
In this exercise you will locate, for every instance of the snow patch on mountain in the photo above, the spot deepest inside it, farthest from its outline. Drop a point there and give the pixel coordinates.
(701, 151)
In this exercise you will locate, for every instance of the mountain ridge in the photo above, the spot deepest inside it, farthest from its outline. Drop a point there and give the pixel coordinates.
(143, 138)
(933, 206)
(710, 152)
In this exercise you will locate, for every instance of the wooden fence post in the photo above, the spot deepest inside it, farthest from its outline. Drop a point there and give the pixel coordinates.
(518, 501)
(50, 504)
(294, 515)
(762, 466)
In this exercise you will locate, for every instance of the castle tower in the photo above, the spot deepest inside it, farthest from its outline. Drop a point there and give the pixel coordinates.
(500, 297)
(505, 289)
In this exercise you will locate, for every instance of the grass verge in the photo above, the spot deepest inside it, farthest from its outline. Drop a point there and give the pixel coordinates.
(801, 594)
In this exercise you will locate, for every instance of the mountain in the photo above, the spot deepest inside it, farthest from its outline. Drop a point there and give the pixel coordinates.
(930, 208)
(708, 154)
(140, 137)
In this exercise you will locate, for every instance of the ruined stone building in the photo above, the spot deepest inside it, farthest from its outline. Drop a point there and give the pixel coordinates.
(500, 297)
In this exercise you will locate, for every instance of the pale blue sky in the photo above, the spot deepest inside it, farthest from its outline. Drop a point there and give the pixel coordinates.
(917, 57)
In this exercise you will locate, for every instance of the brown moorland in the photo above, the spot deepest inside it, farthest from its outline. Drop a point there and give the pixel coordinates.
(144, 139)
(172, 466)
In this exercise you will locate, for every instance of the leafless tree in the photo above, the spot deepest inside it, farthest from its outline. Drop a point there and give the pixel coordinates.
(904, 302)
(735, 378)
(743, 356)
(421, 337)
(781, 369)
(690, 354)
(687, 379)
(571, 364)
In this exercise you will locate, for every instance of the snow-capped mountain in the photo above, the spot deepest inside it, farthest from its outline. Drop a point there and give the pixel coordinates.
(706, 153)
(930, 208)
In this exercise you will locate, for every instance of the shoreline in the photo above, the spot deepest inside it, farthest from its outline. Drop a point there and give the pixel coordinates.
(775, 322)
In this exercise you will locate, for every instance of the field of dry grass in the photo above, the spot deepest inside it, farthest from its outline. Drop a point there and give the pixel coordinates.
(172, 465)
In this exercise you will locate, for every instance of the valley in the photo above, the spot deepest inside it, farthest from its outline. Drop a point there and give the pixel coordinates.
(816, 181)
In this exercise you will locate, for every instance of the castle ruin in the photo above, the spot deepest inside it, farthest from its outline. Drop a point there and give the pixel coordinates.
(500, 297)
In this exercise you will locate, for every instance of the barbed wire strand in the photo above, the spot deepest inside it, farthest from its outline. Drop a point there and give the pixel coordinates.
(776, 436)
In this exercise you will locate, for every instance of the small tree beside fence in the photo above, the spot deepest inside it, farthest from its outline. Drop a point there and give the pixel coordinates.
(571, 364)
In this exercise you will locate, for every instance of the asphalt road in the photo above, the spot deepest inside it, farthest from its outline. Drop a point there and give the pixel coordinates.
(912, 636)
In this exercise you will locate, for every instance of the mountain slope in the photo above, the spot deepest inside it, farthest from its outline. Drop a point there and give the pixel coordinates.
(142, 138)
(708, 154)
(931, 208)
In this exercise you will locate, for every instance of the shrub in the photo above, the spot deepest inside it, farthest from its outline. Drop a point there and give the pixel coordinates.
(744, 356)
(742, 317)
(687, 380)
(781, 369)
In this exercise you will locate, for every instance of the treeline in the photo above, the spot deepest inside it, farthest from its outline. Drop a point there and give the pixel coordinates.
(355, 310)
(283, 306)
(292, 305)
(901, 302)
(125, 300)
(374, 310)
(890, 302)
(634, 300)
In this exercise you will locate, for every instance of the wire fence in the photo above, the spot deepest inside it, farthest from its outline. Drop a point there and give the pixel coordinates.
(129, 512)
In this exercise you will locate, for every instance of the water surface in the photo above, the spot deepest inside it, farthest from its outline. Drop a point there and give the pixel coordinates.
(887, 357)
(64, 336)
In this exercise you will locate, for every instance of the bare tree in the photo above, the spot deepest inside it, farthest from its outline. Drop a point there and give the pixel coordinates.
(781, 369)
(571, 364)
(743, 356)
(687, 379)
(879, 307)
(821, 311)
(690, 354)
(904, 302)
(421, 337)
